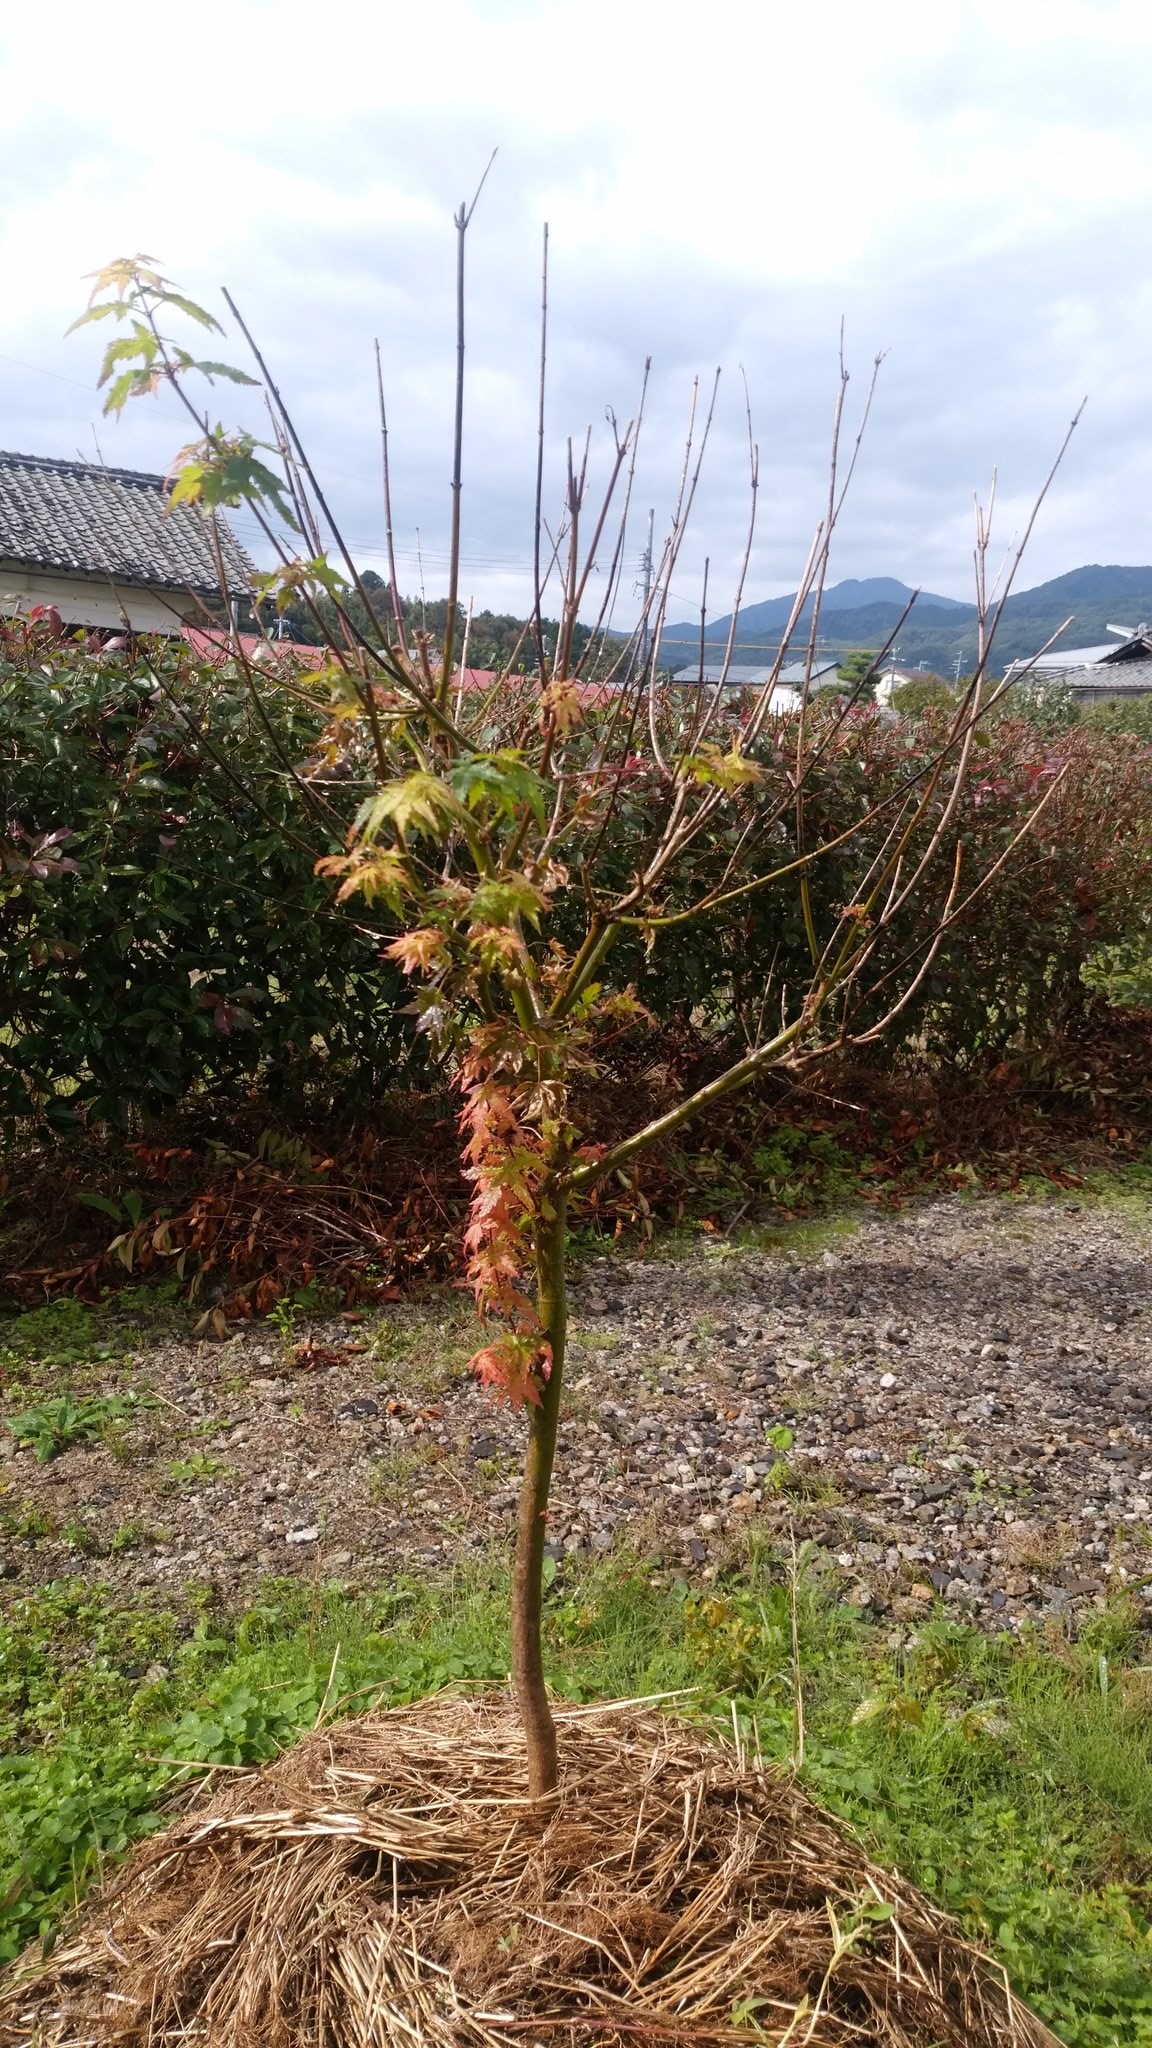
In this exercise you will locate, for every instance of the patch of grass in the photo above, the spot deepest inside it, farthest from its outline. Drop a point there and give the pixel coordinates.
(61, 1333)
(149, 1309)
(70, 1339)
(806, 1482)
(422, 1351)
(27, 1522)
(1127, 1187)
(1011, 1780)
(490, 1473)
(1019, 1792)
(395, 1471)
(792, 1237)
(807, 1239)
(132, 1535)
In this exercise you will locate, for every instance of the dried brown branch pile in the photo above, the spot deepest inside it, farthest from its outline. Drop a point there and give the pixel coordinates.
(384, 1885)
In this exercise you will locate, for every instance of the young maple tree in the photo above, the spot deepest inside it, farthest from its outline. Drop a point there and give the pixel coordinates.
(525, 834)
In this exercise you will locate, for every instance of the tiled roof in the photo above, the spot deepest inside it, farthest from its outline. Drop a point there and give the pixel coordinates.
(81, 517)
(822, 671)
(254, 645)
(1111, 679)
(748, 676)
(1067, 661)
(1060, 658)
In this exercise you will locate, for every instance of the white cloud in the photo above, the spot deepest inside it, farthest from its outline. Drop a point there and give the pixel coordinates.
(969, 183)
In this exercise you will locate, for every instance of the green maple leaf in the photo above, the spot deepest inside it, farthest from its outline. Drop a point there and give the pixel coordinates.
(504, 899)
(502, 780)
(421, 803)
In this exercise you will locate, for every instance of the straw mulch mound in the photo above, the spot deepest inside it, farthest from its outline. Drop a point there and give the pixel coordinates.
(385, 1885)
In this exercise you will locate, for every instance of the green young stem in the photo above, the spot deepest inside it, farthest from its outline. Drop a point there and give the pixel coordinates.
(531, 1521)
(599, 938)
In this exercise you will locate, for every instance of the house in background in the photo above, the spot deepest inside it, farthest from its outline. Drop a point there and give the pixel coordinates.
(216, 646)
(105, 547)
(789, 688)
(1121, 668)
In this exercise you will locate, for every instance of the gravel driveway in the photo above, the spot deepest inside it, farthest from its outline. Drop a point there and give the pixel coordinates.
(955, 1401)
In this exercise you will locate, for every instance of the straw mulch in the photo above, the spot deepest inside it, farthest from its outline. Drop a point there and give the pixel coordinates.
(385, 1885)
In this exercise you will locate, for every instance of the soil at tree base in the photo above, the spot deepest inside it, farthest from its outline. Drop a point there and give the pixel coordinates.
(955, 1402)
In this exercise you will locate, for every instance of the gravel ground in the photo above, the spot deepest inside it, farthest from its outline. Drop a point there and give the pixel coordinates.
(953, 1401)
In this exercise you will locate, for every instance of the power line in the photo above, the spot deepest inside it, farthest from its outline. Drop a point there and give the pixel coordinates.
(768, 646)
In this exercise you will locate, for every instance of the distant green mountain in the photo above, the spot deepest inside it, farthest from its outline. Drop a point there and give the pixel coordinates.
(939, 631)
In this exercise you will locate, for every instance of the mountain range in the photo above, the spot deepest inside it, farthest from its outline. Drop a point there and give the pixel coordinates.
(939, 632)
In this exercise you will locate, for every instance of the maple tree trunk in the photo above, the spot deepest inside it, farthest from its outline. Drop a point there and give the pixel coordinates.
(532, 1519)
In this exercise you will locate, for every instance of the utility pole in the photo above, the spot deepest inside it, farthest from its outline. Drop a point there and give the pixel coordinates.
(646, 575)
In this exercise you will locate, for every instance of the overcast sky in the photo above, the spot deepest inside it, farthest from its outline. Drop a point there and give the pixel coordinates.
(968, 184)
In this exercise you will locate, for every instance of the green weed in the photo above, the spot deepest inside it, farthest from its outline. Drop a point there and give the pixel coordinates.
(53, 1425)
(133, 1535)
(197, 1468)
(27, 1524)
(1013, 1781)
(797, 1166)
(394, 1473)
(304, 1304)
(422, 1352)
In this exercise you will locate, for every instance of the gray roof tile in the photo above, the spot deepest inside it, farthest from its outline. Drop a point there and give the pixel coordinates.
(749, 676)
(1113, 678)
(114, 522)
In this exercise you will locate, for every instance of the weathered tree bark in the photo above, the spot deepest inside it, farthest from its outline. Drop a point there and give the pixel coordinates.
(531, 1525)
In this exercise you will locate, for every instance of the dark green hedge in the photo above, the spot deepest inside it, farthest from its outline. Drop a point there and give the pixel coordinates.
(164, 938)
(1009, 970)
(173, 939)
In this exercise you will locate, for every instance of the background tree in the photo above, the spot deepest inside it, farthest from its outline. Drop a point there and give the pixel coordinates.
(925, 693)
(1131, 715)
(502, 829)
(858, 670)
(1046, 703)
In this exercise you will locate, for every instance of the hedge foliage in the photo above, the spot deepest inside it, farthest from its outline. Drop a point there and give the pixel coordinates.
(165, 939)
(1010, 969)
(171, 938)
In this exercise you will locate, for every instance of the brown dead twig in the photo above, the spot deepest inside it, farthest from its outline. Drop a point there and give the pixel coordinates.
(385, 1885)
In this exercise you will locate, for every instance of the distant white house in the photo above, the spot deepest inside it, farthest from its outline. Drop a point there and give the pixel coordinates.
(789, 690)
(105, 547)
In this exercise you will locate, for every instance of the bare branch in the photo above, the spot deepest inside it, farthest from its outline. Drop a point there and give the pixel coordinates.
(397, 611)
